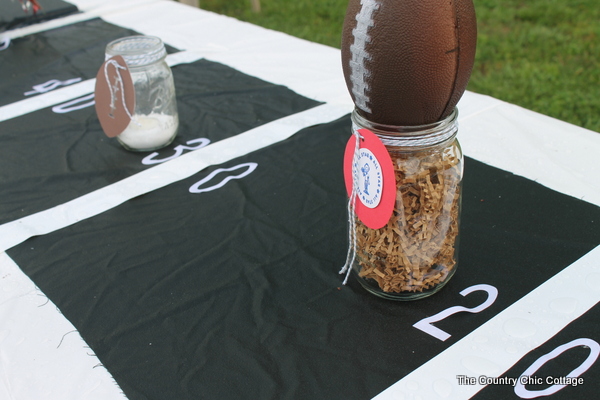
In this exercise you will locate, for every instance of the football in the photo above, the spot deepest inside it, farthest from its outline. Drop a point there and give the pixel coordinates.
(408, 62)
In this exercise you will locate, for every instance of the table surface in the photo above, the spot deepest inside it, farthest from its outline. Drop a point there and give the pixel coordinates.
(127, 275)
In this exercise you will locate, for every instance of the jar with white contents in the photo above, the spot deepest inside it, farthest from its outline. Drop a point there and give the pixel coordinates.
(155, 120)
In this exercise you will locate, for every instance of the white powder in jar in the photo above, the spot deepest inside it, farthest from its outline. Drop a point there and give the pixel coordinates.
(149, 132)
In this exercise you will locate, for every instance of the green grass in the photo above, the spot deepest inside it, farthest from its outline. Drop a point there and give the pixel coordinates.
(543, 55)
(315, 20)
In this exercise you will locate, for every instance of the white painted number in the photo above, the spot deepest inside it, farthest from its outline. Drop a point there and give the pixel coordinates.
(524, 393)
(4, 43)
(249, 168)
(50, 85)
(201, 142)
(426, 323)
(76, 104)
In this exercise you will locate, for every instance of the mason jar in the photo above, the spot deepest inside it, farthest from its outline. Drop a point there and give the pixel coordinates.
(155, 119)
(416, 252)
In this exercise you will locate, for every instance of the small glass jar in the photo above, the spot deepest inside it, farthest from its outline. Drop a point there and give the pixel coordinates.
(416, 253)
(155, 119)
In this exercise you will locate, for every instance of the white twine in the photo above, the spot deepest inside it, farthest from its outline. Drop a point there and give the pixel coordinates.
(112, 89)
(351, 256)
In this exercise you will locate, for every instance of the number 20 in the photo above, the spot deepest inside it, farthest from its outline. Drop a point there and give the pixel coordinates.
(594, 347)
(426, 326)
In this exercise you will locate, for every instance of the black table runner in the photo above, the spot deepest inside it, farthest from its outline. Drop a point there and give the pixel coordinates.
(49, 157)
(234, 293)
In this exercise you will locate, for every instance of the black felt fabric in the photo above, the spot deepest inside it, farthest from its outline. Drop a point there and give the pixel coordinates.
(12, 14)
(48, 158)
(235, 293)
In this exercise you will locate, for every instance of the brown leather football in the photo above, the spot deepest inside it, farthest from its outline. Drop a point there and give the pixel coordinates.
(408, 62)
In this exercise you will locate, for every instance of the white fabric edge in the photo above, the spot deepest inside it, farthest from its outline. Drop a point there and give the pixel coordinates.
(94, 203)
(495, 346)
(554, 153)
(42, 356)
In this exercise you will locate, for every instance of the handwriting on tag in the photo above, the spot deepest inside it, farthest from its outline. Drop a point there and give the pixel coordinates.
(114, 96)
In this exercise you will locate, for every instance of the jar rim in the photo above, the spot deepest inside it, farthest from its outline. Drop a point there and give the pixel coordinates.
(410, 136)
(138, 50)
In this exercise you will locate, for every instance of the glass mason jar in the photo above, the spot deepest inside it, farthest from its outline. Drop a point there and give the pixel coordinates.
(416, 253)
(155, 119)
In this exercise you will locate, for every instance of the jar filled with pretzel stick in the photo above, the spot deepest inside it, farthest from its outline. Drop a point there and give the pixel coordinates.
(416, 252)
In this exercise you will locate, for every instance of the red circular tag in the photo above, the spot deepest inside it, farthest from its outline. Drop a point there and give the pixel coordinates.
(370, 173)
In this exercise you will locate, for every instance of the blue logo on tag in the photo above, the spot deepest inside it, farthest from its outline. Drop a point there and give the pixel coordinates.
(367, 177)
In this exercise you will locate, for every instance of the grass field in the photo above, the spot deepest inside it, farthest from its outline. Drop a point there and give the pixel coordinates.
(543, 55)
